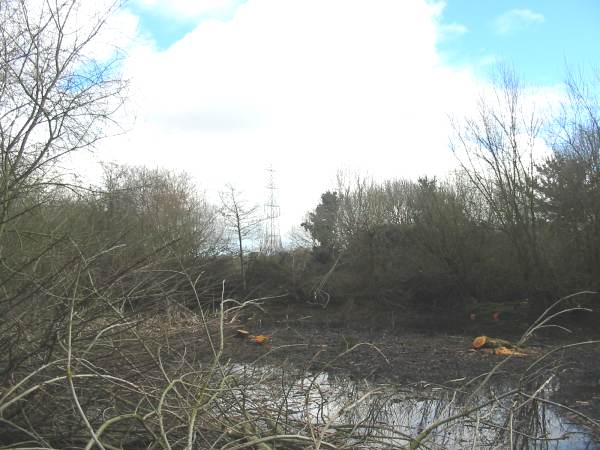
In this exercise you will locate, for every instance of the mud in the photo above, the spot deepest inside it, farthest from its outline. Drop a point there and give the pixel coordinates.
(396, 347)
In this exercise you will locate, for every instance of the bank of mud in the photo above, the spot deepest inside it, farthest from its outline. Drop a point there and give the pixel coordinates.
(405, 349)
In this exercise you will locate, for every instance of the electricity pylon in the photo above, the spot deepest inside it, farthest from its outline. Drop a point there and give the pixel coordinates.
(272, 239)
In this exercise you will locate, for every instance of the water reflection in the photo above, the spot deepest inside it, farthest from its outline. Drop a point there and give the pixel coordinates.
(387, 416)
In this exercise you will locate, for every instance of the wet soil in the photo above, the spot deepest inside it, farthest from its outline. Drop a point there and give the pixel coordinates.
(387, 345)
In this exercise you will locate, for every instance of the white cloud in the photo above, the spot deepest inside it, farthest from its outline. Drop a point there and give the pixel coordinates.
(516, 19)
(115, 37)
(308, 86)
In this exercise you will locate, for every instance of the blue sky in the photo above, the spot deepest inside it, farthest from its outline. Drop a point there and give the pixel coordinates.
(167, 25)
(538, 39)
(161, 30)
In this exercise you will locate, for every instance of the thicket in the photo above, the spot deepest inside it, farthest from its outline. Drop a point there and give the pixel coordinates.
(91, 277)
(509, 226)
(111, 296)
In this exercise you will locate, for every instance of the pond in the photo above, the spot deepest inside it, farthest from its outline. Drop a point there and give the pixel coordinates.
(363, 415)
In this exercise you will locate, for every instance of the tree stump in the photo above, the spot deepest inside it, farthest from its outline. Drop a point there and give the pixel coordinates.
(488, 342)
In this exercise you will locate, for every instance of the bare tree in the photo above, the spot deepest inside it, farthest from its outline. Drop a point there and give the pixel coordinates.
(495, 148)
(242, 220)
(569, 183)
(54, 98)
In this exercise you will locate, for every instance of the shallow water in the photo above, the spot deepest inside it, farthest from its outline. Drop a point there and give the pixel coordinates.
(388, 416)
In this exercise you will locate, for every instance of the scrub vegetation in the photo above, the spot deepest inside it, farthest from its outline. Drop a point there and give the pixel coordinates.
(119, 303)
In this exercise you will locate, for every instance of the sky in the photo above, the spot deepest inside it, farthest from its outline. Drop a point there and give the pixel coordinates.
(225, 89)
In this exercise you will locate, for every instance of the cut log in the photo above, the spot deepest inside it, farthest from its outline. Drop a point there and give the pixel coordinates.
(261, 339)
(488, 342)
(508, 352)
(496, 346)
(479, 342)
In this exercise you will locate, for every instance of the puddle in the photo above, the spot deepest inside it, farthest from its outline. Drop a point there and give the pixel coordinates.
(388, 416)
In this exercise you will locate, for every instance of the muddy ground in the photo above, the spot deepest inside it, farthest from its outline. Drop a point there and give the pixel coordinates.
(401, 347)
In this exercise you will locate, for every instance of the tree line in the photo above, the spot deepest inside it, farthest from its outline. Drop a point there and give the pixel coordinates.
(509, 225)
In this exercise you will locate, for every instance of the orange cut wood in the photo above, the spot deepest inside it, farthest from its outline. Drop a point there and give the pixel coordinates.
(479, 342)
(261, 339)
(508, 352)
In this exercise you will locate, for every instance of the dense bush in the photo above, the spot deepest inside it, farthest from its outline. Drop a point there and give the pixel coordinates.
(501, 229)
